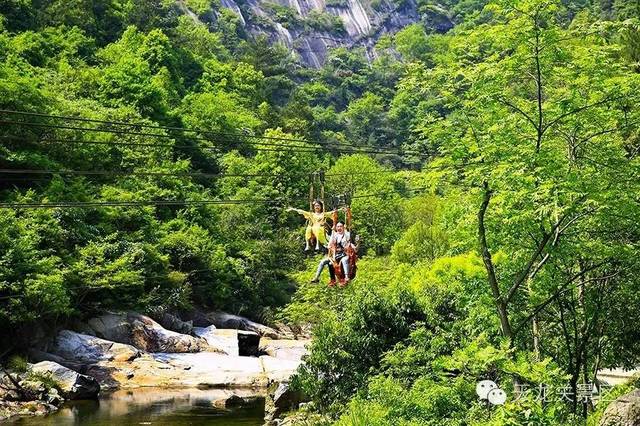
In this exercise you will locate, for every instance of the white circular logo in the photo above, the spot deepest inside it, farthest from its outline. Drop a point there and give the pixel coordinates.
(484, 387)
(497, 396)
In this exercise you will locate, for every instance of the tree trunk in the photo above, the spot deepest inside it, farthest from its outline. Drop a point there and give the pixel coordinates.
(501, 304)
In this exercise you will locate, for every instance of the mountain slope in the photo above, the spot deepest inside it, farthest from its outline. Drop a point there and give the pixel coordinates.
(311, 27)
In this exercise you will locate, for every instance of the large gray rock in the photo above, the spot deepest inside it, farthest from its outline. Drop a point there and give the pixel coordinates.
(280, 399)
(624, 411)
(225, 320)
(36, 356)
(278, 370)
(114, 327)
(144, 333)
(230, 341)
(212, 370)
(72, 385)
(202, 370)
(173, 323)
(84, 348)
(292, 350)
(225, 340)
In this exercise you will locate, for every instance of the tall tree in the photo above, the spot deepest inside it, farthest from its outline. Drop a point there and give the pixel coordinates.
(535, 119)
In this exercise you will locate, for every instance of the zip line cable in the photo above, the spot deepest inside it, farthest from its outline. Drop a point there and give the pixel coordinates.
(22, 172)
(127, 173)
(71, 204)
(189, 273)
(78, 204)
(163, 202)
(181, 129)
(149, 126)
(310, 149)
(176, 174)
(255, 145)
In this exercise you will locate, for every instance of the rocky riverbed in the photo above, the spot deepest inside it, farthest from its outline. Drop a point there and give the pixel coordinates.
(129, 350)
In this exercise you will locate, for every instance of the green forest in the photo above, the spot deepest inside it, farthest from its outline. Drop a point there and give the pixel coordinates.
(148, 158)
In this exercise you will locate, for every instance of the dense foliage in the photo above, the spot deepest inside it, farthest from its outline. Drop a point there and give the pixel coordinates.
(524, 263)
(490, 150)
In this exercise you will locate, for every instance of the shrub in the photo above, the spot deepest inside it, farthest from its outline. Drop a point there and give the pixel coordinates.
(200, 7)
(18, 364)
(348, 350)
(337, 3)
(325, 22)
(420, 242)
(44, 378)
(446, 395)
(285, 15)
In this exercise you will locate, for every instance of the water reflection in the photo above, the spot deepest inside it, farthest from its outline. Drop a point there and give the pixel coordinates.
(151, 406)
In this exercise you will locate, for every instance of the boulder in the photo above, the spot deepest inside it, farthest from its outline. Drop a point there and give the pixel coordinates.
(624, 411)
(144, 333)
(225, 340)
(72, 385)
(173, 323)
(9, 409)
(210, 370)
(37, 356)
(237, 401)
(225, 320)
(280, 399)
(84, 348)
(230, 341)
(113, 327)
(292, 350)
(152, 337)
(204, 370)
(278, 370)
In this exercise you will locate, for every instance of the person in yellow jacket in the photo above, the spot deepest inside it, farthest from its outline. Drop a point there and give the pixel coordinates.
(316, 221)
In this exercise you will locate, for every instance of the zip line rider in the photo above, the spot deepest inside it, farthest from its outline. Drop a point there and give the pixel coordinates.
(316, 221)
(339, 242)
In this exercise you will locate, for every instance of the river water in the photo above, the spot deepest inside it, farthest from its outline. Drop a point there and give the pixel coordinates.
(152, 406)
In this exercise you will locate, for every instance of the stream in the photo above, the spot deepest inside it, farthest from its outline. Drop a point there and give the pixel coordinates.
(156, 406)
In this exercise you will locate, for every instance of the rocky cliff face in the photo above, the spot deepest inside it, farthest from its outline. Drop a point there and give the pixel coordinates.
(311, 27)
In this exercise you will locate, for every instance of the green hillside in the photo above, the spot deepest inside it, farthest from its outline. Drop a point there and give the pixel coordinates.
(147, 161)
